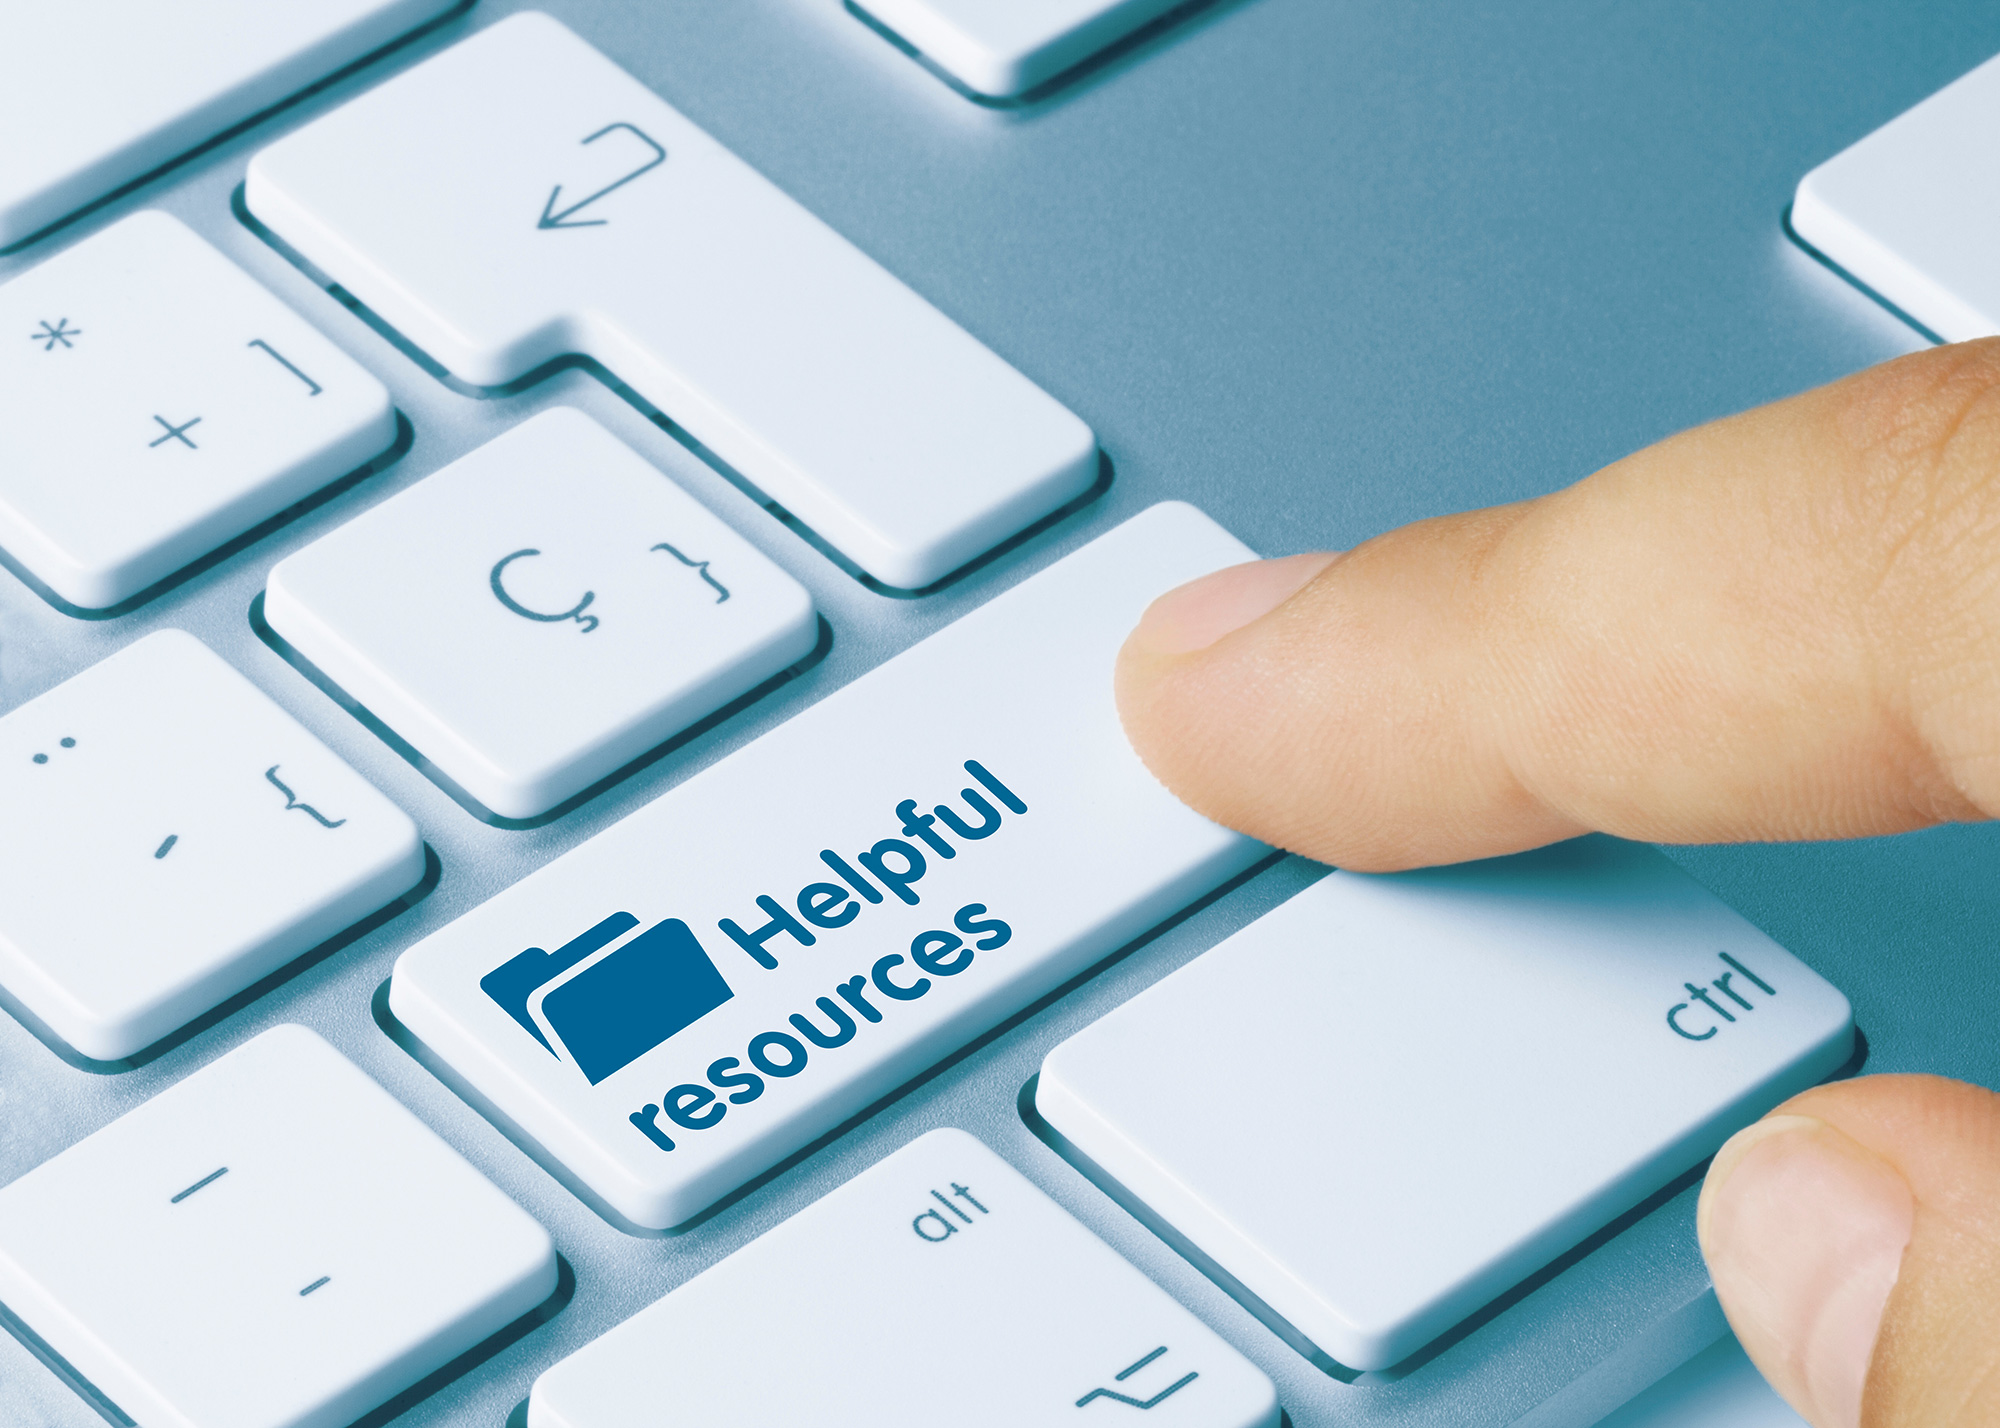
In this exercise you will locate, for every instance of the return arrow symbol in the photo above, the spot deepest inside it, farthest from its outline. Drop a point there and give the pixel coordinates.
(552, 219)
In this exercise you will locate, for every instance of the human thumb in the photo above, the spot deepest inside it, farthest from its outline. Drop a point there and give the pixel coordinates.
(1854, 1239)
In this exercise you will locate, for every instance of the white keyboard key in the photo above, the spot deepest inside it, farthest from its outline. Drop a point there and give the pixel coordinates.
(168, 835)
(1003, 48)
(160, 402)
(519, 197)
(830, 910)
(1910, 210)
(100, 92)
(1392, 1098)
(939, 1286)
(275, 1242)
(540, 612)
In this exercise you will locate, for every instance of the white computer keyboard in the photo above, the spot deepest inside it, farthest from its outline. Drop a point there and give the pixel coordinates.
(1367, 1116)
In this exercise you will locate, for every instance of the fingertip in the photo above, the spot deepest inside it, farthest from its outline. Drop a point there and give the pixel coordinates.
(1179, 706)
(1195, 615)
(1297, 700)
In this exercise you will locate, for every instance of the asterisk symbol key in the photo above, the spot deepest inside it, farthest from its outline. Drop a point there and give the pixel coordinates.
(50, 336)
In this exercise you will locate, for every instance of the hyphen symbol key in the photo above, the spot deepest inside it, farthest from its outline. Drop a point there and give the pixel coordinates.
(208, 1179)
(1127, 1399)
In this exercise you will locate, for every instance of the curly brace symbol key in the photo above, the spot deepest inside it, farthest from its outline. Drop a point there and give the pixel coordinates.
(291, 802)
(575, 612)
(700, 567)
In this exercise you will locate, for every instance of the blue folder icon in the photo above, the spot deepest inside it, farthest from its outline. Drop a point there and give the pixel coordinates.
(611, 1014)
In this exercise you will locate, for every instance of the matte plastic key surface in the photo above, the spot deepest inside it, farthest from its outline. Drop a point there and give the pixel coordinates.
(274, 1242)
(1003, 48)
(703, 988)
(1393, 1097)
(520, 197)
(160, 402)
(99, 92)
(168, 835)
(540, 612)
(1911, 209)
(938, 1286)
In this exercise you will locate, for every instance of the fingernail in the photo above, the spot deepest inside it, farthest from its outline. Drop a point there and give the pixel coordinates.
(1202, 611)
(1804, 1231)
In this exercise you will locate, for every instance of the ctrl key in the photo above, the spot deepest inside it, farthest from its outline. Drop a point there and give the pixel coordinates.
(1385, 1102)
(274, 1242)
(940, 1286)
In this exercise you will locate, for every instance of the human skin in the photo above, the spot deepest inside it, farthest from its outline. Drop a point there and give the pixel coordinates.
(1781, 625)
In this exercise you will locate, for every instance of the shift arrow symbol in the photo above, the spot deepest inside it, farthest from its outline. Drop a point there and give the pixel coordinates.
(566, 218)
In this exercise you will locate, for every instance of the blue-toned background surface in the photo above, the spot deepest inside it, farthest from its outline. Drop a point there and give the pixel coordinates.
(1320, 267)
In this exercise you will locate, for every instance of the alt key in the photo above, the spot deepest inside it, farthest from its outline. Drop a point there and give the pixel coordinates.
(940, 1286)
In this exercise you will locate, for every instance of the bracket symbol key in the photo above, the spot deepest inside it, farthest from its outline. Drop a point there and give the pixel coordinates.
(552, 219)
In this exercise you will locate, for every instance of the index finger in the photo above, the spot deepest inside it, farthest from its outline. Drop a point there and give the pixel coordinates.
(1782, 625)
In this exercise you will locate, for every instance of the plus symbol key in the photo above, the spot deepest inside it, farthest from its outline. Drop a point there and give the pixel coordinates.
(152, 325)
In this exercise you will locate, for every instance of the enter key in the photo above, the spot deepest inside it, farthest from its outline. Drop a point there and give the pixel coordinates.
(520, 197)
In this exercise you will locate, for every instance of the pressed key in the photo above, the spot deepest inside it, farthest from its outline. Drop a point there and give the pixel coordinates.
(540, 612)
(520, 197)
(1002, 48)
(99, 92)
(160, 402)
(1393, 1097)
(725, 975)
(939, 1286)
(273, 1242)
(1910, 211)
(168, 835)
